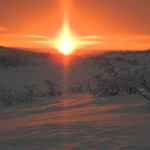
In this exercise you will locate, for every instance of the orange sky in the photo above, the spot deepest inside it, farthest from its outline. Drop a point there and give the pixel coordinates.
(113, 24)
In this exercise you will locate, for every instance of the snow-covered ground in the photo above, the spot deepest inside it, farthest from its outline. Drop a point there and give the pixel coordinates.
(17, 77)
(73, 122)
(76, 122)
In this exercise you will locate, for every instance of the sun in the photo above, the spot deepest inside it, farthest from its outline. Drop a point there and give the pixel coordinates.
(66, 42)
(65, 46)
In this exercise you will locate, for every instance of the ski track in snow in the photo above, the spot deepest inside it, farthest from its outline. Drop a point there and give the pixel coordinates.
(76, 122)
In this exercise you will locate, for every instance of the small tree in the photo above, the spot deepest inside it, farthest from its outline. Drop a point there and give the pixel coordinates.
(109, 80)
(88, 87)
(128, 83)
(52, 87)
(77, 89)
(144, 83)
(19, 96)
(6, 96)
(30, 92)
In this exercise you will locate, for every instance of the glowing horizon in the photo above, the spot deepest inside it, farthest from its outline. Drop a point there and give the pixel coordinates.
(67, 40)
(84, 26)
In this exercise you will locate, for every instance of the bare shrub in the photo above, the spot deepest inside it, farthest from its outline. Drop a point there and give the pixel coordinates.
(77, 89)
(112, 79)
(52, 87)
(29, 94)
(18, 96)
(143, 76)
(88, 87)
(6, 96)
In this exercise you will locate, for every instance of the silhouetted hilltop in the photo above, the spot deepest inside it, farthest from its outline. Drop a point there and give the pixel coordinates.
(11, 57)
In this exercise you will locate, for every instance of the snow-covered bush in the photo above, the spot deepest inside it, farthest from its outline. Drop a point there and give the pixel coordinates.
(9, 97)
(6, 96)
(143, 76)
(77, 89)
(113, 80)
(29, 94)
(52, 88)
(89, 88)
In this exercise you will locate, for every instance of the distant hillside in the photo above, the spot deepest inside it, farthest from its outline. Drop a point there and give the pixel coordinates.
(11, 57)
(127, 57)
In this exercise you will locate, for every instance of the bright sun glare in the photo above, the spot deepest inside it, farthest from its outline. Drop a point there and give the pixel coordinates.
(65, 41)
(65, 45)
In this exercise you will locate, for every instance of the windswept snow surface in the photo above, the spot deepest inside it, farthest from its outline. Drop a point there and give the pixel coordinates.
(76, 122)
